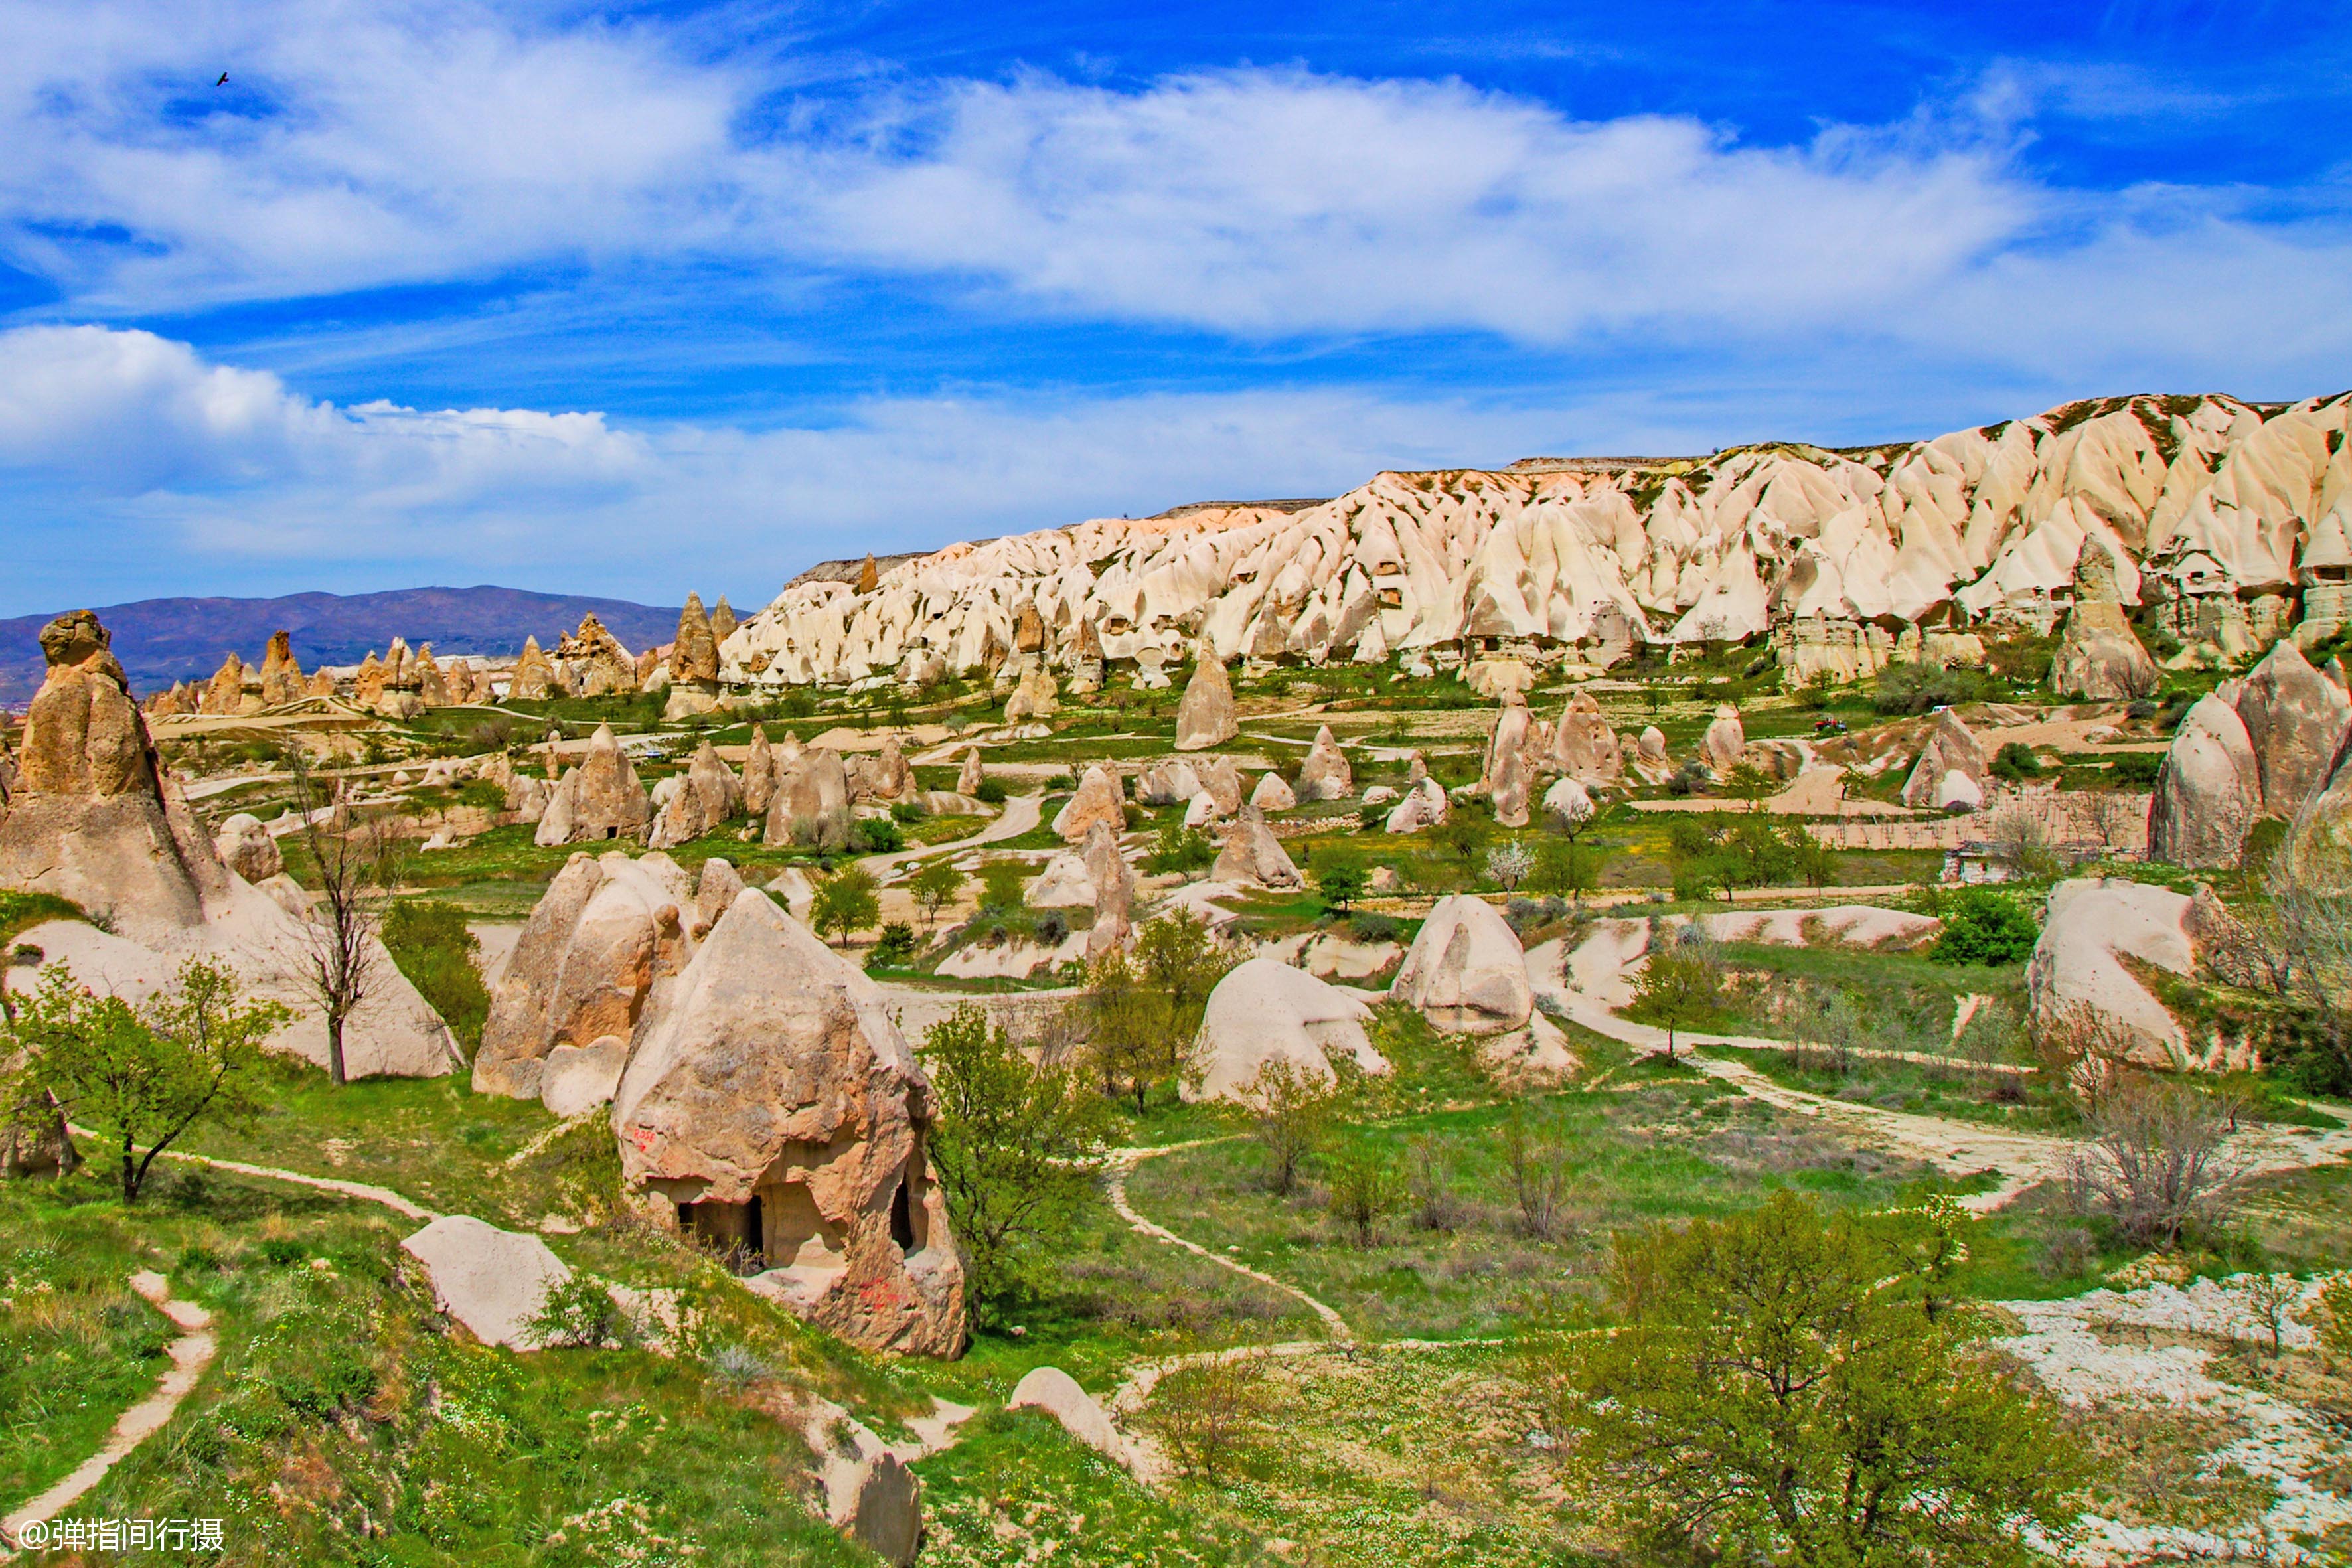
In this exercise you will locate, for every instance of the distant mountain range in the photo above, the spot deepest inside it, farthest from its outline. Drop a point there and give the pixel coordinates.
(161, 641)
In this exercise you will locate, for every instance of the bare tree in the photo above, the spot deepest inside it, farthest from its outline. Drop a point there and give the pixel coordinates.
(1203, 1412)
(352, 868)
(2021, 841)
(1539, 1163)
(2158, 1162)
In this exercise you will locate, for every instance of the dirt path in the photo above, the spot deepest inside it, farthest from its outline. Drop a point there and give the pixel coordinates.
(1021, 813)
(191, 1354)
(359, 1190)
(1124, 1160)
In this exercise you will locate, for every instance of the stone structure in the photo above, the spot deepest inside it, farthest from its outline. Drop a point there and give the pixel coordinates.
(599, 801)
(1325, 774)
(1206, 717)
(1265, 1011)
(1465, 969)
(1583, 746)
(1254, 855)
(775, 1108)
(1098, 800)
(1952, 752)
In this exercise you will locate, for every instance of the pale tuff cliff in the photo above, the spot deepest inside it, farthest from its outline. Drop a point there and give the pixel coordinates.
(2223, 512)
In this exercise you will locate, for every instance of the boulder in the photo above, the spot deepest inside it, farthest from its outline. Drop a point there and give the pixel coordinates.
(1202, 810)
(1650, 759)
(1273, 794)
(1064, 884)
(1263, 1010)
(1725, 740)
(532, 680)
(599, 801)
(1583, 746)
(1325, 774)
(246, 848)
(695, 655)
(1509, 775)
(707, 796)
(1206, 717)
(811, 804)
(1253, 855)
(594, 662)
(715, 887)
(1380, 794)
(1098, 800)
(281, 673)
(2100, 657)
(1494, 679)
(605, 931)
(1169, 783)
(759, 775)
(775, 1106)
(1952, 748)
(1223, 780)
(1423, 805)
(1465, 969)
(2077, 976)
(722, 620)
(1114, 884)
(2295, 721)
(578, 1079)
(884, 776)
(491, 1281)
(2209, 792)
(1567, 802)
(1057, 1394)
(971, 775)
(1034, 696)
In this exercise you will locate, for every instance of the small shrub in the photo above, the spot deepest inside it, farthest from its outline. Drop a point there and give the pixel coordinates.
(877, 835)
(991, 791)
(907, 811)
(2016, 762)
(2136, 769)
(578, 1313)
(1981, 927)
(895, 946)
(1053, 928)
(737, 1366)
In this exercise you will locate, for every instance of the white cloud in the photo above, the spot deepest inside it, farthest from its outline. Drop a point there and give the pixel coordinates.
(441, 140)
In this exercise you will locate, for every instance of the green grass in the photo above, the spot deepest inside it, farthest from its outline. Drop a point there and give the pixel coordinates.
(1660, 1151)
(77, 1345)
(1392, 1457)
(1017, 1490)
(1919, 1088)
(19, 913)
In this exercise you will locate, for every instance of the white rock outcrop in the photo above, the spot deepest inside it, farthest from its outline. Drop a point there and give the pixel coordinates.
(1264, 1011)
(1465, 969)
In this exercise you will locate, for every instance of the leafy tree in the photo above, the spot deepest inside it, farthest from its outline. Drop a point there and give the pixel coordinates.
(1363, 1188)
(2016, 762)
(935, 886)
(1293, 1110)
(1340, 880)
(432, 945)
(1180, 848)
(193, 1053)
(1178, 954)
(1982, 927)
(895, 945)
(353, 871)
(1462, 833)
(1747, 781)
(877, 835)
(1680, 985)
(1001, 880)
(846, 903)
(1508, 865)
(1017, 1145)
(1778, 1386)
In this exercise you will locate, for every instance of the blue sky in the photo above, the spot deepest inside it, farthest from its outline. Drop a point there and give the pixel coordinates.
(633, 300)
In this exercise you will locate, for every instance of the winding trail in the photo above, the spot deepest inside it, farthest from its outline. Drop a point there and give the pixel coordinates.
(191, 1354)
(359, 1190)
(1123, 1162)
(1021, 813)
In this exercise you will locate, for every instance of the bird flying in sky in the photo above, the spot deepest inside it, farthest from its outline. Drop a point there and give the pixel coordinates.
(224, 80)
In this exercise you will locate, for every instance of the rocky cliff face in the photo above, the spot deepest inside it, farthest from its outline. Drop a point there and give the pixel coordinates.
(2195, 499)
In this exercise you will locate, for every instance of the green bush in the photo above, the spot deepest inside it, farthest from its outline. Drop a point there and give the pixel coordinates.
(1181, 848)
(907, 811)
(1981, 927)
(991, 791)
(1908, 689)
(2136, 769)
(875, 835)
(895, 946)
(2016, 762)
(432, 947)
